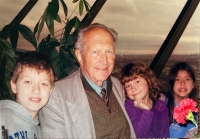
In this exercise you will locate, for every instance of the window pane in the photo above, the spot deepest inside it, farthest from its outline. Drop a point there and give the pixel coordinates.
(188, 47)
(142, 26)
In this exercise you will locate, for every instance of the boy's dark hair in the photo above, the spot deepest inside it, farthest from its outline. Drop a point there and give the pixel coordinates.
(171, 79)
(33, 60)
(133, 70)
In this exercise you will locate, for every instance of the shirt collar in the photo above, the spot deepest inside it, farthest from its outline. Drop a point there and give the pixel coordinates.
(96, 87)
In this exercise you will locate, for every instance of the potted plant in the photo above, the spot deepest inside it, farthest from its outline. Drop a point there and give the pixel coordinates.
(60, 51)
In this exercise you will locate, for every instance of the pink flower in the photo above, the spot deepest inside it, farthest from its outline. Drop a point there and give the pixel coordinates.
(181, 111)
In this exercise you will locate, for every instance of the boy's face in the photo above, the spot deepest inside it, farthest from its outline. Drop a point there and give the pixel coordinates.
(137, 89)
(32, 89)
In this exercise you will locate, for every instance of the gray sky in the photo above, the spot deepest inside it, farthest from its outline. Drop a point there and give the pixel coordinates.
(142, 24)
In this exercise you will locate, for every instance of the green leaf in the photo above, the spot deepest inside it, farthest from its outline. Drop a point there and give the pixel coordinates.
(74, 1)
(48, 38)
(7, 48)
(87, 6)
(81, 7)
(6, 31)
(58, 19)
(69, 26)
(51, 29)
(78, 24)
(27, 34)
(14, 36)
(42, 23)
(36, 27)
(65, 9)
(52, 12)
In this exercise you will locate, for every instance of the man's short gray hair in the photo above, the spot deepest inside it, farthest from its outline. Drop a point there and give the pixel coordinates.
(80, 38)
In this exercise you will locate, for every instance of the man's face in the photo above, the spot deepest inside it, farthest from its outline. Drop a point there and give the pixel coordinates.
(97, 61)
(32, 89)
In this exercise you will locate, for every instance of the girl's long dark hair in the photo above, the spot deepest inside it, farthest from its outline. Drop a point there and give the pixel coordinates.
(171, 79)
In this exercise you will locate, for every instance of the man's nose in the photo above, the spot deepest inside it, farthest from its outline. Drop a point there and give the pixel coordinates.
(104, 58)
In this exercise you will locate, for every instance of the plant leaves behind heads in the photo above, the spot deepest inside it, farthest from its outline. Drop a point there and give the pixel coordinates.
(81, 7)
(51, 29)
(78, 24)
(74, 1)
(27, 34)
(47, 45)
(36, 27)
(48, 38)
(87, 6)
(65, 9)
(52, 12)
(58, 19)
(5, 31)
(69, 64)
(14, 36)
(42, 23)
(6, 48)
(69, 26)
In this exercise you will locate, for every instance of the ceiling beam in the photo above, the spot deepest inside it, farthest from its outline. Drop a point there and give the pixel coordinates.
(173, 37)
(94, 10)
(21, 15)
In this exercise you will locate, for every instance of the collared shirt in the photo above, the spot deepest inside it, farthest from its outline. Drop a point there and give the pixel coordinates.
(96, 87)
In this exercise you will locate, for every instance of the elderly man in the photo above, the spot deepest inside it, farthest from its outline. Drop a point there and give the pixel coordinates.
(88, 103)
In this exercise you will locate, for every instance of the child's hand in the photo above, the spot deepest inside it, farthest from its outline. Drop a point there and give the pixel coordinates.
(140, 104)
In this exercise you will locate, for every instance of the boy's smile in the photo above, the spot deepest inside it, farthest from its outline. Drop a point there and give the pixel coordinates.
(32, 89)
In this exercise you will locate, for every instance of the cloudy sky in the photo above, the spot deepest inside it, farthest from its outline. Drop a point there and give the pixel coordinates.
(142, 24)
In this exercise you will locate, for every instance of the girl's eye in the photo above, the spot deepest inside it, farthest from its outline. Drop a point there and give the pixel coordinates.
(127, 86)
(177, 79)
(137, 82)
(188, 79)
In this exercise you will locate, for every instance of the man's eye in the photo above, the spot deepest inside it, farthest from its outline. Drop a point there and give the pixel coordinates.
(109, 51)
(27, 82)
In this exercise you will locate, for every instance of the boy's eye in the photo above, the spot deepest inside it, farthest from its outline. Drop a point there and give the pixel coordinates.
(44, 84)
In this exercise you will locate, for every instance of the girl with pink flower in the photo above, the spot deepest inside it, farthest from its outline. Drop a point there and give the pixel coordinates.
(148, 113)
(182, 85)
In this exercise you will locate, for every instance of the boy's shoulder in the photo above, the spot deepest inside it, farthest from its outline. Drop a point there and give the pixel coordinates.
(9, 107)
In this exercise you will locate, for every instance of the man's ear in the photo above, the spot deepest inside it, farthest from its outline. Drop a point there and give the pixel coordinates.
(78, 56)
(13, 87)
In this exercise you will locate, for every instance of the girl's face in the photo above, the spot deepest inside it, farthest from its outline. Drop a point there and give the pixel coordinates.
(137, 89)
(183, 85)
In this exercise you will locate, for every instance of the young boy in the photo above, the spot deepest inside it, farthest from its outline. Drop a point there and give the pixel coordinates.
(32, 82)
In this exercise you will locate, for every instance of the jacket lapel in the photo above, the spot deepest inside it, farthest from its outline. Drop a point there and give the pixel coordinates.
(79, 110)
